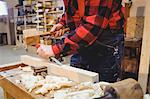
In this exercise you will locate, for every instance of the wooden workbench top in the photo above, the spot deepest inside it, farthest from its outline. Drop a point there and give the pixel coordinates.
(18, 90)
(15, 90)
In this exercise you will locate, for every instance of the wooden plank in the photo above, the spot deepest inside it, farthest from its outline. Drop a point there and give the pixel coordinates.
(11, 66)
(133, 43)
(75, 74)
(32, 40)
(135, 26)
(145, 54)
(7, 95)
(9, 85)
(31, 33)
(30, 37)
(12, 90)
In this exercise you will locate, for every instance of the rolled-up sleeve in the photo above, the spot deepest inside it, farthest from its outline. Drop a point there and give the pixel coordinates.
(96, 19)
(82, 37)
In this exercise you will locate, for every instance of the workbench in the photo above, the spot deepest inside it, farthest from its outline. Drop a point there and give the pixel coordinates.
(14, 90)
(9, 73)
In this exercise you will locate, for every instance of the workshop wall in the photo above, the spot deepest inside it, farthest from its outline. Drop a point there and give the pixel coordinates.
(4, 26)
(135, 23)
(138, 8)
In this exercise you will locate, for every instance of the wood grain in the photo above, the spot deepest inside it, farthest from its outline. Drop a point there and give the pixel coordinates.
(145, 54)
(9, 67)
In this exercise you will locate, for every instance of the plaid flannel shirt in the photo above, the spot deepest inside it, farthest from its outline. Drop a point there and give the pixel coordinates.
(98, 15)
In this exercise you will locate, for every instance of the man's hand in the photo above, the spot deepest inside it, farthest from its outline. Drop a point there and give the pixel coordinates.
(56, 27)
(45, 51)
(57, 31)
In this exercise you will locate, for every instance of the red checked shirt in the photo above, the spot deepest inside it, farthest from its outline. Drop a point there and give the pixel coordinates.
(98, 15)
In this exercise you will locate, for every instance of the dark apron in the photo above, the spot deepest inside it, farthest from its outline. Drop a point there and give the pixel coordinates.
(103, 56)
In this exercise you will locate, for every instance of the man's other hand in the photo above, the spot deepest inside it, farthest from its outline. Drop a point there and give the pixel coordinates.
(45, 51)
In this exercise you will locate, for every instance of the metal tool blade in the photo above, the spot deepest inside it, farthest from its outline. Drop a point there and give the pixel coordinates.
(56, 61)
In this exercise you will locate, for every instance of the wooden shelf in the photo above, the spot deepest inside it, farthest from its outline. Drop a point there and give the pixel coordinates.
(52, 12)
(29, 15)
(21, 6)
(49, 25)
(29, 5)
(29, 25)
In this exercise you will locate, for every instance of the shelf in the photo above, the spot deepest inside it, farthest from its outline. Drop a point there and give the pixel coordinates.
(40, 1)
(36, 22)
(19, 17)
(26, 25)
(49, 24)
(48, 7)
(44, 0)
(31, 25)
(40, 27)
(21, 6)
(40, 16)
(40, 11)
(52, 12)
(48, 0)
(29, 5)
(30, 15)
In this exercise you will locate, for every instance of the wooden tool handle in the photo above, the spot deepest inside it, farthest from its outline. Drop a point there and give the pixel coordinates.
(52, 33)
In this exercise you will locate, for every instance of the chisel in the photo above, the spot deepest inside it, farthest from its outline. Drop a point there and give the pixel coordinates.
(52, 58)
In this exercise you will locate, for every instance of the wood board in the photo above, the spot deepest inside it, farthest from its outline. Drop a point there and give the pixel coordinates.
(135, 27)
(9, 84)
(14, 90)
(145, 54)
(75, 74)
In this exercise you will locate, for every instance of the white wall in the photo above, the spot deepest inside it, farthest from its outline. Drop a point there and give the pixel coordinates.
(5, 27)
(135, 5)
(11, 3)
